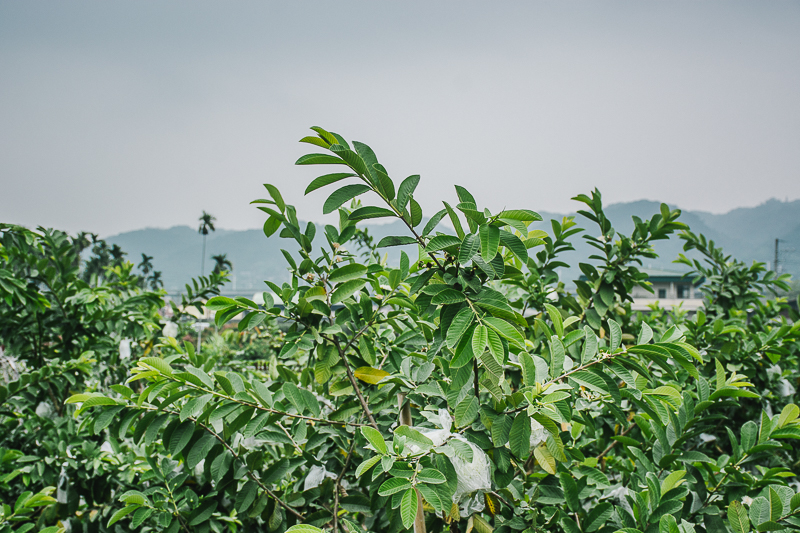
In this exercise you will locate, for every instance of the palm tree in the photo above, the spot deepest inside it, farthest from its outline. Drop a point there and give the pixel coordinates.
(147, 264)
(100, 259)
(223, 264)
(83, 240)
(117, 253)
(206, 226)
(155, 280)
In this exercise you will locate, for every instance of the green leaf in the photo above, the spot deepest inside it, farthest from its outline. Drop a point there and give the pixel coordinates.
(303, 528)
(528, 369)
(347, 289)
(367, 212)
(794, 503)
(319, 159)
(759, 511)
(513, 243)
(589, 345)
(393, 485)
(466, 411)
(480, 338)
(545, 459)
(275, 472)
(455, 220)
(158, 364)
(440, 242)
(396, 241)
(645, 334)
(597, 517)
(416, 213)
(246, 496)
(375, 439)
(327, 179)
(367, 464)
(490, 241)
(202, 513)
(431, 496)
(221, 302)
(433, 222)
(555, 317)
(340, 196)
(495, 345)
(524, 215)
(616, 334)
(370, 375)
(570, 491)
(775, 505)
(737, 517)
(667, 524)
(431, 475)
(408, 507)
(448, 296)
(347, 273)
(459, 326)
(789, 414)
(200, 449)
(506, 330)
(271, 225)
(180, 437)
(519, 438)
(405, 191)
(591, 381)
(276, 195)
(121, 513)
(469, 247)
(672, 481)
(557, 356)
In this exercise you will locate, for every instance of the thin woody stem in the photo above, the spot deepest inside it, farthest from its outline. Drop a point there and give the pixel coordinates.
(338, 484)
(347, 368)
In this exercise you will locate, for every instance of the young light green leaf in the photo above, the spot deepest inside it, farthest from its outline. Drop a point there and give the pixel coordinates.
(555, 317)
(367, 464)
(375, 439)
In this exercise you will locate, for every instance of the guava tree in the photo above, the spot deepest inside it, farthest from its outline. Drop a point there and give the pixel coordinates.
(464, 388)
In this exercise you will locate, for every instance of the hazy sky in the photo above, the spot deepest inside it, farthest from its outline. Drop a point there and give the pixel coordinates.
(120, 115)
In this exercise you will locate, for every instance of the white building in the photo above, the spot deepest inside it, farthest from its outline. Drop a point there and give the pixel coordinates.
(670, 289)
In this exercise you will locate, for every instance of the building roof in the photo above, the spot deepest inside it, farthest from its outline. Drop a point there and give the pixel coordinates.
(655, 275)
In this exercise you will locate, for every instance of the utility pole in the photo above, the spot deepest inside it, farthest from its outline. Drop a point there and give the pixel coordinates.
(776, 256)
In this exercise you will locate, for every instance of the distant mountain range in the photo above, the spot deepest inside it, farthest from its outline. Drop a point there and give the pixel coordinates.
(747, 233)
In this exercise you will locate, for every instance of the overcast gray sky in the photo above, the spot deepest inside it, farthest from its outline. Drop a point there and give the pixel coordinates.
(120, 115)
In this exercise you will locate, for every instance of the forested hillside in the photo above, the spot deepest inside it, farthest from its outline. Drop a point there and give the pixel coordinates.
(746, 233)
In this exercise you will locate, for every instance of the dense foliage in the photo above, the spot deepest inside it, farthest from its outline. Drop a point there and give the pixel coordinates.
(465, 389)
